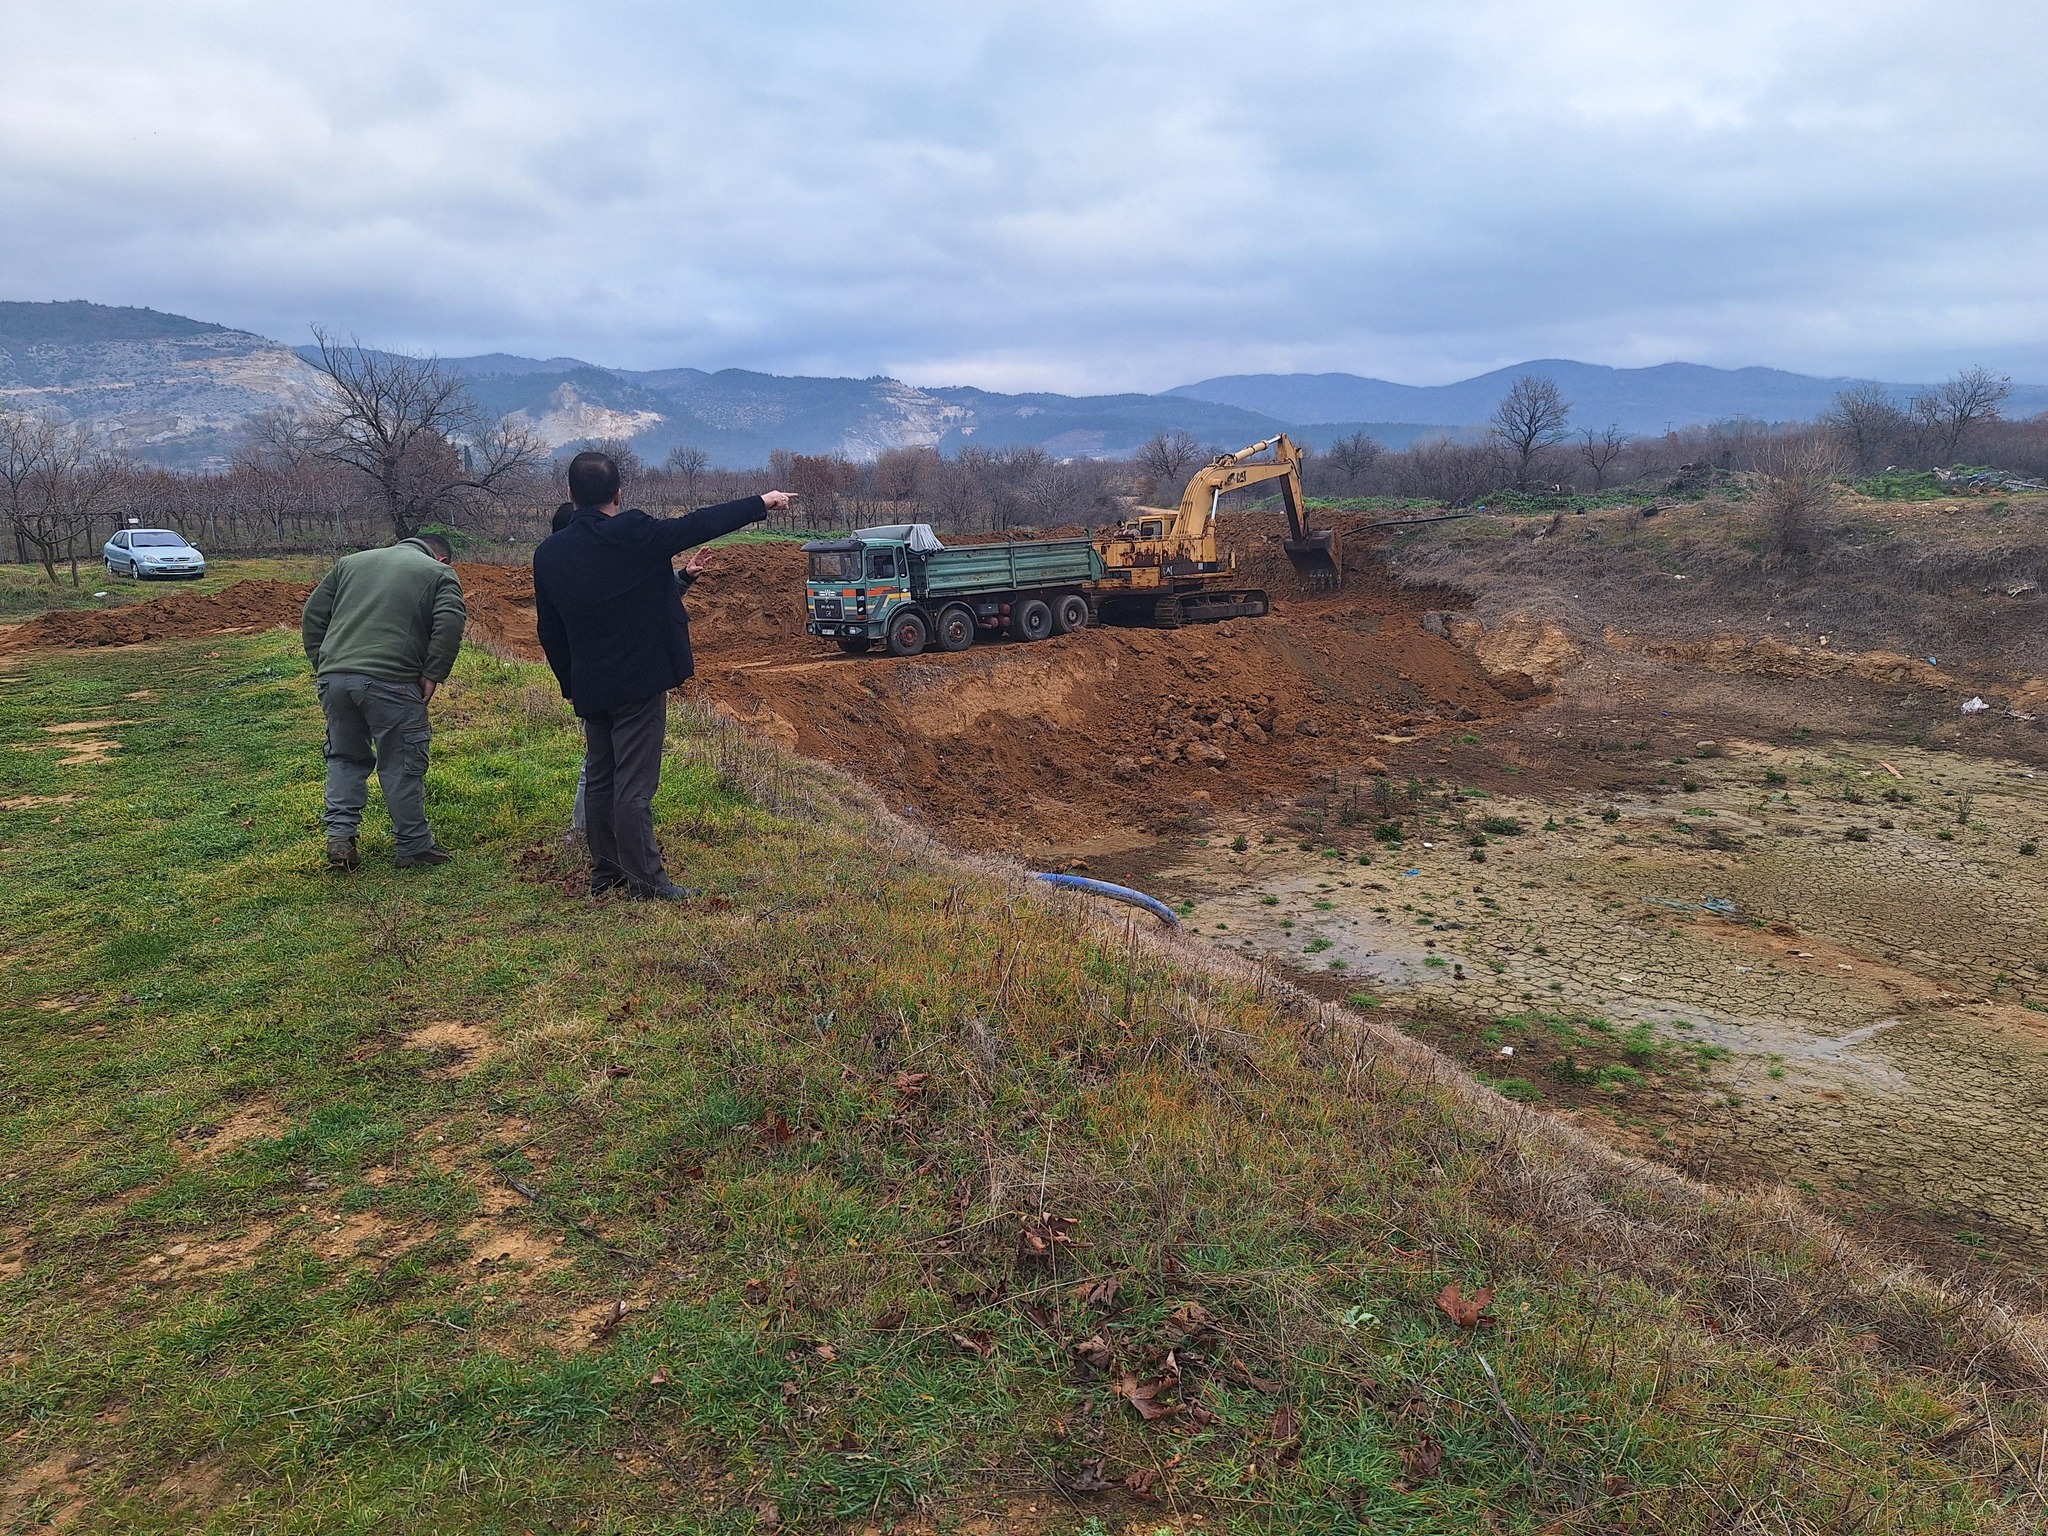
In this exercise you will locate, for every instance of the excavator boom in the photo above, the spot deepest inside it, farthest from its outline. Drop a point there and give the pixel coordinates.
(1312, 552)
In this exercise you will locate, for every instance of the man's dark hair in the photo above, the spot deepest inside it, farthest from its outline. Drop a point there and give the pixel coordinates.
(442, 549)
(593, 479)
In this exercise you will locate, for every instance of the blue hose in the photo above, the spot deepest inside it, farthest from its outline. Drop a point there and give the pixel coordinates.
(1157, 908)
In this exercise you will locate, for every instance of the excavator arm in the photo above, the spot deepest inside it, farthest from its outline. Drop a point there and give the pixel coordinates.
(1313, 553)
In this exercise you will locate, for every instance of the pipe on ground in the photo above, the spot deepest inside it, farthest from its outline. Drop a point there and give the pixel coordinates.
(1123, 893)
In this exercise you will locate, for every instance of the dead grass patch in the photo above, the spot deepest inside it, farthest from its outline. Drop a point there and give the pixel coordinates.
(30, 802)
(47, 1493)
(458, 1049)
(254, 1121)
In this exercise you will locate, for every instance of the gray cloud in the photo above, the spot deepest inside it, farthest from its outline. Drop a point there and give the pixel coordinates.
(1076, 195)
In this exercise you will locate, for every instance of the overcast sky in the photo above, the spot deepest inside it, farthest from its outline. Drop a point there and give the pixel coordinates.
(1123, 194)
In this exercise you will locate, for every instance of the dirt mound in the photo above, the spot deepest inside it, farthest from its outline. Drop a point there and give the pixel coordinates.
(241, 609)
(1112, 733)
(499, 597)
(1104, 735)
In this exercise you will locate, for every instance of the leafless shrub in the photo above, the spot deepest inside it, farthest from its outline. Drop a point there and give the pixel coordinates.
(1795, 492)
(1165, 462)
(1453, 473)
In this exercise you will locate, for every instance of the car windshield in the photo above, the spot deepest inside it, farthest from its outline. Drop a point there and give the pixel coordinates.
(835, 565)
(150, 539)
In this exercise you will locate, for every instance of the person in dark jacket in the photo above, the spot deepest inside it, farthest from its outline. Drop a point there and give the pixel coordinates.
(686, 578)
(613, 626)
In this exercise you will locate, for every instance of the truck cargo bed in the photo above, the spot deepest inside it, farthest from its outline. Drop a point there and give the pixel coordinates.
(1024, 565)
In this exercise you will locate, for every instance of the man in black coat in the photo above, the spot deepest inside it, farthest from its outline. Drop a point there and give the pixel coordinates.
(612, 623)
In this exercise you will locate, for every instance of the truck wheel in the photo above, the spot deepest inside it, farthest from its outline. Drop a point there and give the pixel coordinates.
(856, 647)
(1031, 619)
(956, 628)
(1069, 614)
(908, 635)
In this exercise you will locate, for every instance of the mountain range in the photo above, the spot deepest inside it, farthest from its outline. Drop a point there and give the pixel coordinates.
(175, 391)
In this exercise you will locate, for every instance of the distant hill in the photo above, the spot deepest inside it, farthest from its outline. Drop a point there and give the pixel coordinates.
(176, 391)
(166, 389)
(1638, 400)
(75, 320)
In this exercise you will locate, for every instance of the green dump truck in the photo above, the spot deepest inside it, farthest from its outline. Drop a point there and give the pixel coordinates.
(900, 587)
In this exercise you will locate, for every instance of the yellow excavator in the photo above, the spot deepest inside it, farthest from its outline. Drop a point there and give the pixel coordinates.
(1163, 567)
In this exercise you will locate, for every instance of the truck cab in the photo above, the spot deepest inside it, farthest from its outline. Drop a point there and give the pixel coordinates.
(856, 584)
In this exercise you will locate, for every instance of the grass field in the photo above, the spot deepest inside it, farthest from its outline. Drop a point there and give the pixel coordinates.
(869, 1190)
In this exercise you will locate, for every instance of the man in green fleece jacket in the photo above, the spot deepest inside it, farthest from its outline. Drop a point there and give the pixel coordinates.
(382, 630)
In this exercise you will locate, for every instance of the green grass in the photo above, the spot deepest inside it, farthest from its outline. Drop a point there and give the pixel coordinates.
(852, 1138)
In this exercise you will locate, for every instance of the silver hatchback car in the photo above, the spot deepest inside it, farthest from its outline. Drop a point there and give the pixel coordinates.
(147, 552)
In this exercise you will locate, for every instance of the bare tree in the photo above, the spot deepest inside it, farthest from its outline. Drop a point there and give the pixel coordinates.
(1948, 413)
(25, 445)
(416, 435)
(1167, 459)
(1868, 423)
(58, 483)
(686, 464)
(1353, 457)
(1600, 449)
(1532, 417)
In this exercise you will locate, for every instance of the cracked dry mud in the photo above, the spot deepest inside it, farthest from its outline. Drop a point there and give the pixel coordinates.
(1884, 1003)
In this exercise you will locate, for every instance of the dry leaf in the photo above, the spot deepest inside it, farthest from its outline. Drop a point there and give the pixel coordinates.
(1042, 1235)
(1094, 1350)
(659, 1378)
(891, 1320)
(1145, 1395)
(826, 1353)
(773, 1128)
(757, 1293)
(1100, 1293)
(1140, 1483)
(1190, 1319)
(1088, 1480)
(911, 1084)
(614, 1315)
(1466, 1311)
(790, 1389)
(980, 1344)
(1422, 1458)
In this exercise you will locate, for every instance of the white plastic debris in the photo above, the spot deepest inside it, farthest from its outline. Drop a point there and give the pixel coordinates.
(1506, 1050)
(1975, 706)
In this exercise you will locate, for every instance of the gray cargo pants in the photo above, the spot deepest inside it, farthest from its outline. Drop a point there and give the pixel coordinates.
(621, 771)
(376, 724)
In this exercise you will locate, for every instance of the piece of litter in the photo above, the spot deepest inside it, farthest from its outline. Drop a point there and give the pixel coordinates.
(1720, 906)
(99, 594)
(1406, 872)
(1506, 1050)
(1975, 706)
(1888, 768)
(1429, 845)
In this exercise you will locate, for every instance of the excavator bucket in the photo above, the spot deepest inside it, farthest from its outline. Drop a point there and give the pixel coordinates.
(1312, 551)
(1314, 557)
